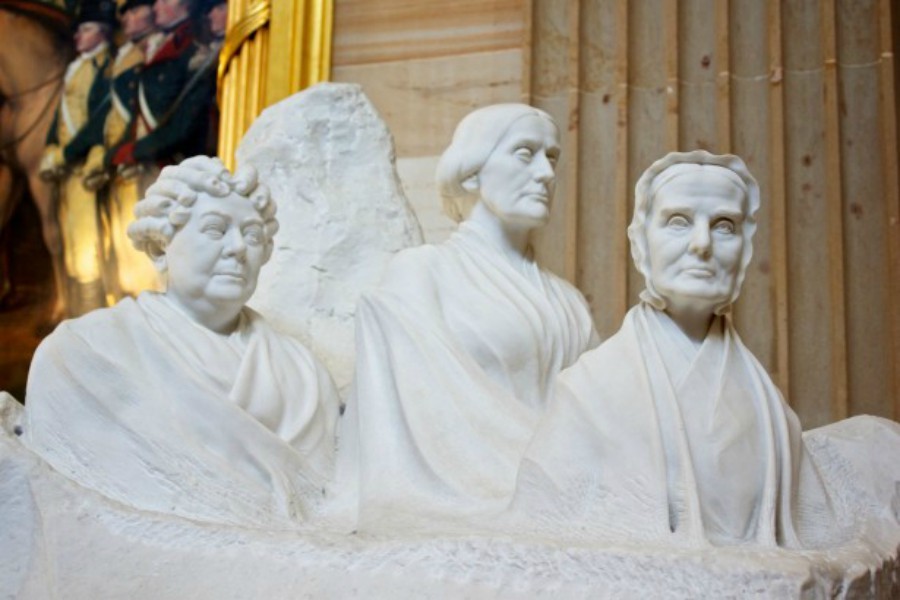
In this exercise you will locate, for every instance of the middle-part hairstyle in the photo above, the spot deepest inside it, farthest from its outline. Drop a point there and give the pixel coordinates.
(474, 140)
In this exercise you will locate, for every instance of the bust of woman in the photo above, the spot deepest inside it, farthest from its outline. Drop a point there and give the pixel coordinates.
(671, 430)
(186, 401)
(460, 344)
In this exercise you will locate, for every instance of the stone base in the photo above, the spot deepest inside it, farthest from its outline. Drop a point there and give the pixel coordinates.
(61, 540)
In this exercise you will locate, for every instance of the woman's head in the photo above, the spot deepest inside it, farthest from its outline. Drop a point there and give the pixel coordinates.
(169, 202)
(691, 234)
(527, 134)
(211, 232)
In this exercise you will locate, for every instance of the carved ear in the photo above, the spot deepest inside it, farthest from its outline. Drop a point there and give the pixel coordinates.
(470, 184)
(159, 262)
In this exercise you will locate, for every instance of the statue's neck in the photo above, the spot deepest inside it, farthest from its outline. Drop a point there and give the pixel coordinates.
(510, 239)
(693, 320)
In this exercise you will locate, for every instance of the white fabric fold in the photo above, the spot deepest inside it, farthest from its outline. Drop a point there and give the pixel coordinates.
(143, 405)
(457, 352)
(628, 450)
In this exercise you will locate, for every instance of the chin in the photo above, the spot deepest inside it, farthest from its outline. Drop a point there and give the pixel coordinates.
(539, 219)
(229, 294)
(697, 294)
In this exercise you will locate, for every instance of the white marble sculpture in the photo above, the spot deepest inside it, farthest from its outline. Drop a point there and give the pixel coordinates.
(459, 347)
(456, 323)
(187, 402)
(672, 429)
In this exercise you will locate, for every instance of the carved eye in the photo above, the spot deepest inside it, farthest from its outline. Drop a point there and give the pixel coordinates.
(214, 231)
(678, 222)
(254, 236)
(524, 154)
(214, 228)
(724, 226)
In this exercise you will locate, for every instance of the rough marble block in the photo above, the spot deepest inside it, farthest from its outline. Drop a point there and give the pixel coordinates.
(329, 161)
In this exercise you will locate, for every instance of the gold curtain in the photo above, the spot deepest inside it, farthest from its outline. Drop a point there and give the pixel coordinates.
(271, 50)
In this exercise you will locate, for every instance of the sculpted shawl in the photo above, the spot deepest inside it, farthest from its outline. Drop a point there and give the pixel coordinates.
(648, 439)
(457, 353)
(144, 405)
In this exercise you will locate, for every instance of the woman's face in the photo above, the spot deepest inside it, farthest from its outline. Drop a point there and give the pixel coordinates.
(215, 258)
(518, 179)
(695, 239)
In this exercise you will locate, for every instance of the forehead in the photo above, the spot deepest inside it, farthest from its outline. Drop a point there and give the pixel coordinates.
(235, 206)
(88, 27)
(708, 187)
(531, 128)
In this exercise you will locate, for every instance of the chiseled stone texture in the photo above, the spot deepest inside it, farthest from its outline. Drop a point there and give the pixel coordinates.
(328, 159)
(60, 540)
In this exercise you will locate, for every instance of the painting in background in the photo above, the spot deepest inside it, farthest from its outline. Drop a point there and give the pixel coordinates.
(95, 98)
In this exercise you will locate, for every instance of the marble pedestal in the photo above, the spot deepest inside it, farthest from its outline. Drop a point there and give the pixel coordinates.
(61, 540)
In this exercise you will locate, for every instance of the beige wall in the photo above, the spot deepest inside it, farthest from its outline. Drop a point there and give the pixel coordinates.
(426, 63)
(803, 90)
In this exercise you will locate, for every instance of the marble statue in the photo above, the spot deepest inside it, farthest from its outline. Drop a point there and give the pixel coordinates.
(187, 402)
(176, 446)
(672, 430)
(459, 346)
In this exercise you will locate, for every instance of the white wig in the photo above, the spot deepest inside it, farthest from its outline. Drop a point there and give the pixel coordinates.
(665, 170)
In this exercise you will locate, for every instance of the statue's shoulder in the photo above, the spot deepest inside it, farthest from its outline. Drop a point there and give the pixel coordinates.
(610, 365)
(411, 267)
(97, 322)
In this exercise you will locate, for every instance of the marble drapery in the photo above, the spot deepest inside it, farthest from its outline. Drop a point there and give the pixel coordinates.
(144, 405)
(652, 438)
(457, 353)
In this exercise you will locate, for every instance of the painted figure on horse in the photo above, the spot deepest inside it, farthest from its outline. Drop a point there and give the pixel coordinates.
(37, 46)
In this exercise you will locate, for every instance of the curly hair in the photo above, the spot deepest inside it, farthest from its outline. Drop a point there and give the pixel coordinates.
(159, 216)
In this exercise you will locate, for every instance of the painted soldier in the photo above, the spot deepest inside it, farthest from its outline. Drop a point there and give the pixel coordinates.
(126, 271)
(172, 99)
(77, 127)
(215, 13)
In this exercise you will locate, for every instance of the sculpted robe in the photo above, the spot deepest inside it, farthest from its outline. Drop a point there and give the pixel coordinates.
(149, 408)
(457, 352)
(651, 438)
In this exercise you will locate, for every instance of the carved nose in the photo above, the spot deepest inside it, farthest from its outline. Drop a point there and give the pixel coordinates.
(235, 244)
(701, 243)
(545, 170)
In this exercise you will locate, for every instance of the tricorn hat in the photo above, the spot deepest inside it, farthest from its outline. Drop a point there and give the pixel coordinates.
(129, 4)
(97, 11)
(207, 5)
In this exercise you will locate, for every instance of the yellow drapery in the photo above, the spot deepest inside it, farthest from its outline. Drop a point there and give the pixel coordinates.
(272, 49)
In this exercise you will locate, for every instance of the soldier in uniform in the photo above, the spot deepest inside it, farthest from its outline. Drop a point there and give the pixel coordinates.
(215, 13)
(126, 271)
(76, 128)
(169, 121)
